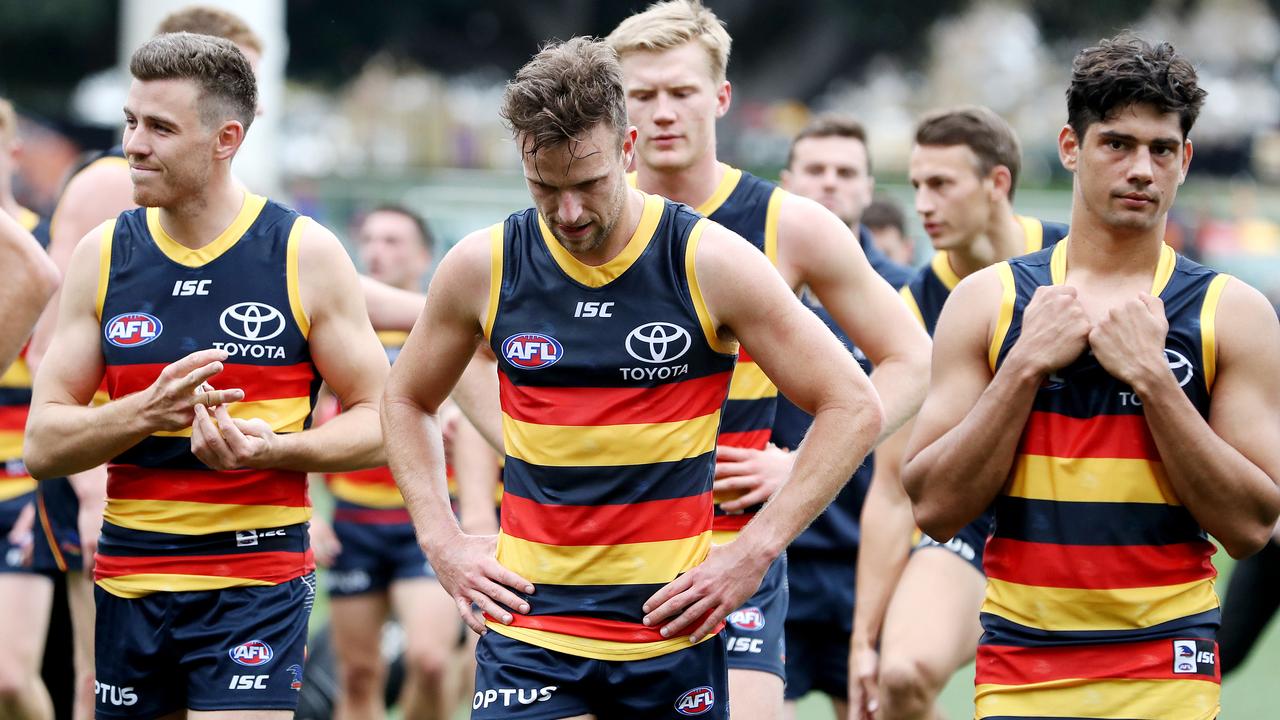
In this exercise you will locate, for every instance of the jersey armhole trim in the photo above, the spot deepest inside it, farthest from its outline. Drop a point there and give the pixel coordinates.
(772, 216)
(912, 305)
(1208, 329)
(108, 230)
(292, 275)
(1005, 318)
(496, 234)
(695, 292)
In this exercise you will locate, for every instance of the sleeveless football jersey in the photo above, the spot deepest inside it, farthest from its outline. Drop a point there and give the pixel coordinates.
(15, 397)
(1100, 599)
(612, 381)
(172, 523)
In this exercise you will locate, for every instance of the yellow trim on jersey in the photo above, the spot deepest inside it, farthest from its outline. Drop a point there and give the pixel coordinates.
(941, 267)
(1114, 480)
(1186, 698)
(912, 305)
(643, 563)
(27, 218)
(284, 415)
(12, 487)
(1073, 609)
(695, 291)
(392, 338)
(1033, 230)
(772, 217)
(1058, 262)
(17, 376)
(592, 648)
(1164, 269)
(495, 273)
(10, 447)
(1208, 327)
(600, 275)
(1005, 318)
(374, 496)
(750, 383)
(104, 263)
(722, 192)
(144, 584)
(181, 517)
(293, 278)
(609, 445)
(724, 537)
(189, 257)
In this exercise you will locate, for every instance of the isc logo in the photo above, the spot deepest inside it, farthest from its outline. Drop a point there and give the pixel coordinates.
(531, 351)
(252, 653)
(184, 288)
(248, 682)
(696, 701)
(587, 309)
(133, 329)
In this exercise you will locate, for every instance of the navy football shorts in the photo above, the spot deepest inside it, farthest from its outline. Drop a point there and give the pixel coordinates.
(968, 544)
(57, 544)
(12, 556)
(754, 633)
(233, 649)
(819, 623)
(525, 682)
(374, 554)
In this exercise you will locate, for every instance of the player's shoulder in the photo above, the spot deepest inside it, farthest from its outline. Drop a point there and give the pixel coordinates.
(980, 291)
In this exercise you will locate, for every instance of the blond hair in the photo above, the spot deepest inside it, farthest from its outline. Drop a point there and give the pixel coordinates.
(8, 122)
(204, 20)
(670, 24)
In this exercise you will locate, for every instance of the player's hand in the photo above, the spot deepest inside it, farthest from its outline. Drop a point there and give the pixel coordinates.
(21, 536)
(170, 402)
(324, 541)
(1055, 330)
(1129, 341)
(231, 443)
(757, 474)
(705, 595)
(864, 681)
(468, 569)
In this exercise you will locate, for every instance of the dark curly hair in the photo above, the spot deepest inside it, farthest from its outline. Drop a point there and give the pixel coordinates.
(564, 92)
(1125, 70)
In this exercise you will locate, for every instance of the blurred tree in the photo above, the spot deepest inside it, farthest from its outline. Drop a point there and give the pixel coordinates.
(46, 47)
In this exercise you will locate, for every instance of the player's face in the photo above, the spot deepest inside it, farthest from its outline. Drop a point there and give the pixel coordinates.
(833, 171)
(674, 102)
(953, 200)
(170, 151)
(1129, 167)
(580, 186)
(392, 251)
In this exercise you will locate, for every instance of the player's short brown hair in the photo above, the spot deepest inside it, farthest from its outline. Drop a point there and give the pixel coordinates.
(205, 20)
(672, 23)
(1125, 70)
(987, 134)
(228, 90)
(563, 92)
(831, 125)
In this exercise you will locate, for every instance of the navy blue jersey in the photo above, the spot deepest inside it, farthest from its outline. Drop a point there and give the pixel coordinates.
(611, 382)
(171, 522)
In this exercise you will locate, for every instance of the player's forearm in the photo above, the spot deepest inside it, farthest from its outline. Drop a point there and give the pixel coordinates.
(476, 473)
(840, 437)
(64, 439)
(90, 485)
(415, 452)
(901, 381)
(883, 549)
(477, 396)
(956, 477)
(390, 308)
(350, 441)
(1232, 498)
(30, 280)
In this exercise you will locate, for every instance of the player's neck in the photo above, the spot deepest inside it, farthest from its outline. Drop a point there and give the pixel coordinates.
(692, 185)
(1098, 249)
(1004, 239)
(619, 238)
(199, 220)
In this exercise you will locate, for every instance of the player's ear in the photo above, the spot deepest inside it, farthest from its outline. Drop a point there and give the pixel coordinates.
(629, 146)
(1186, 160)
(228, 139)
(724, 96)
(1001, 181)
(1068, 148)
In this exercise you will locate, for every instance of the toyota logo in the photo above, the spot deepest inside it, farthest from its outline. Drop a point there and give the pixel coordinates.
(658, 342)
(252, 321)
(1180, 365)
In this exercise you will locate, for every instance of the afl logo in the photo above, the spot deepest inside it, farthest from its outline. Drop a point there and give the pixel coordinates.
(532, 351)
(252, 653)
(133, 329)
(697, 701)
(747, 618)
(658, 342)
(1180, 365)
(252, 321)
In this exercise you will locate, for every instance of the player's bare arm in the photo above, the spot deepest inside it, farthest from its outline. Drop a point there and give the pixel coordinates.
(748, 299)
(390, 308)
(475, 467)
(64, 434)
(1225, 471)
(816, 249)
(100, 192)
(30, 279)
(961, 449)
(431, 361)
(476, 394)
(346, 354)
